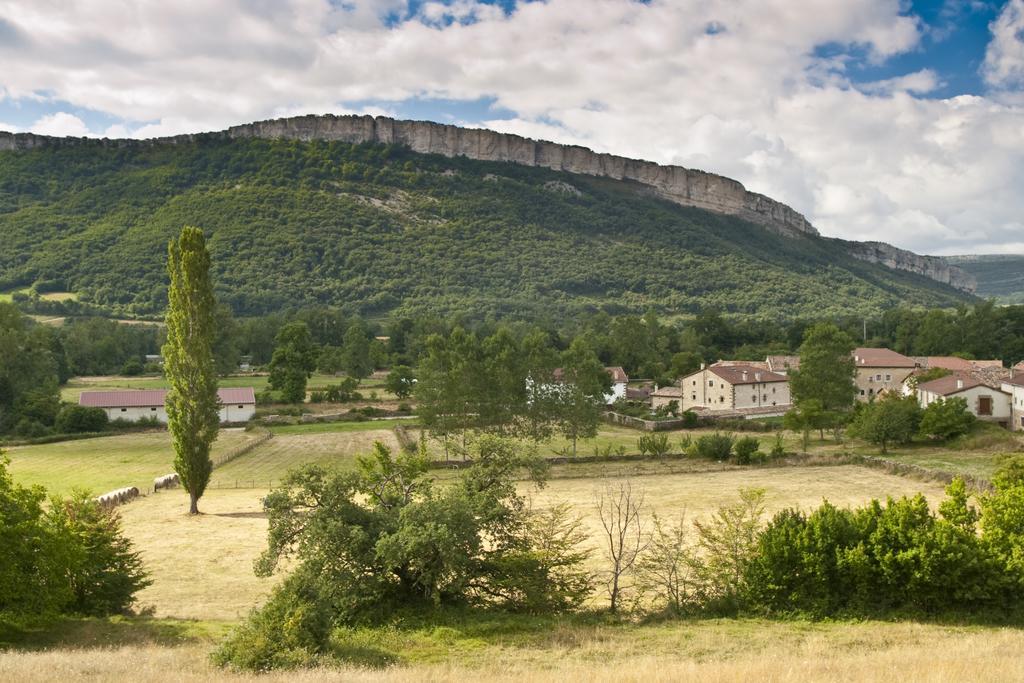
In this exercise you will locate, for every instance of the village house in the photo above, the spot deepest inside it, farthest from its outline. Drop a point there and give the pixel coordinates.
(236, 405)
(781, 365)
(620, 382)
(880, 370)
(734, 386)
(987, 403)
(1014, 386)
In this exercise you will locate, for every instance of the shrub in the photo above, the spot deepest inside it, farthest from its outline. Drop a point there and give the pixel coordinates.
(714, 446)
(690, 419)
(778, 449)
(945, 418)
(317, 396)
(132, 367)
(653, 444)
(30, 428)
(291, 630)
(74, 419)
(745, 450)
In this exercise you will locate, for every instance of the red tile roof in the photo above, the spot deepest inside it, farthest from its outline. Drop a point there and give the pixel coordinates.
(618, 374)
(881, 358)
(746, 374)
(952, 384)
(149, 398)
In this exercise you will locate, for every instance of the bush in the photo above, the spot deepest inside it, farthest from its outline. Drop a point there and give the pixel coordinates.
(946, 418)
(714, 446)
(30, 428)
(778, 449)
(74, 419)
(291, 630)
(653, 444)
(690, 419)
(132, 367)
(745, 450)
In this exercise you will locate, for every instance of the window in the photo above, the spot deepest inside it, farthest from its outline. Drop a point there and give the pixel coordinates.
(888, 378)
(984, 405)
(765, 397)
(754, 398)
(721, 399)
(773, 390)
(878, 377)
(124, 410)
(152, 410)
(871, 378)
(693, 397)
(694, 382)
(861, 392)
(711, 382)
(241, 406)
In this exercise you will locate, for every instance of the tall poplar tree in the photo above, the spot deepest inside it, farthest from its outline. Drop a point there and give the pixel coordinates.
(192, 403)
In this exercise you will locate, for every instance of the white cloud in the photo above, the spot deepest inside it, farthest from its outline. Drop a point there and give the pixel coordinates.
(60, 124)
(751, 99)
(1004, 59)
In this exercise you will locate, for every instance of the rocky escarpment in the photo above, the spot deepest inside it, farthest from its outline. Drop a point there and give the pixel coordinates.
(933, 267)
(687, 187)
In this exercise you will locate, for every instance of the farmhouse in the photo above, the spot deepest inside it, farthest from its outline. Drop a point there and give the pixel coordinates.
(620, 381)
(1014, 386)
(782, 364)
(732, 387)
(986, 402)
(236, 405)
(880, 370)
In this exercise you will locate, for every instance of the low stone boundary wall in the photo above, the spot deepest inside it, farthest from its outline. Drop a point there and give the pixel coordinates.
(645, 425)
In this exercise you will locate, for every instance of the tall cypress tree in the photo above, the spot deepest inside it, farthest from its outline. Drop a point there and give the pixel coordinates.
(192, 403)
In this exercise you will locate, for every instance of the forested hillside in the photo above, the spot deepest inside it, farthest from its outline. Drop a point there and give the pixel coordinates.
(1000, 276)
(381, 230)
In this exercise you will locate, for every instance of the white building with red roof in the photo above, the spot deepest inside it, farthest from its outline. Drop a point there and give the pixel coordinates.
(1014, 386)
(986, 402)
(236, 404)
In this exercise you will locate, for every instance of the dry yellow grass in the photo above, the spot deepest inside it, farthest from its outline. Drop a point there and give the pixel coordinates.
(689, 651)
(266, 465)
(201, 566)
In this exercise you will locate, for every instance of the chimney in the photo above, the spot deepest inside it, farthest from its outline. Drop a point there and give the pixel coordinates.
(959, 383)
(744, 374)
(757, 376)
(703, 366)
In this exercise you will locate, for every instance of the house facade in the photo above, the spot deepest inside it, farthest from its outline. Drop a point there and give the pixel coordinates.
(880, 370)
(985, 402)
(732, 387)
(1014, 386)
(664, 397)
(236, 405)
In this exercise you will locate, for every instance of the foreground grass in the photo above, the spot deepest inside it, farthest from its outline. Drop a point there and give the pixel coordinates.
(584, 647)
(105, 463)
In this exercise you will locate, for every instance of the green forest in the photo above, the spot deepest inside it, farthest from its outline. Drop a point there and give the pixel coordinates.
(384, 232)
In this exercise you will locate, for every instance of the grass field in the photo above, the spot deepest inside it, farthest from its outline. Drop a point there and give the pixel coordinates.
(267, 464)
(105, 463)
(541, 651)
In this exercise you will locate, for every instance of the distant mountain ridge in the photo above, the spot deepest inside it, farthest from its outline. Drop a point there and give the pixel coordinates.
(385, 229)
(679, 185)
(999, 276)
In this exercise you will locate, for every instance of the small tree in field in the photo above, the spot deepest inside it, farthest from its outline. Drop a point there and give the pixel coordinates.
(192, 404)
(623, 539)
(667, 569)
(890, 419)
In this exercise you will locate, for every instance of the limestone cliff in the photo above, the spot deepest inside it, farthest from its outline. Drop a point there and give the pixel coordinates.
(933, 267)
(683, 186)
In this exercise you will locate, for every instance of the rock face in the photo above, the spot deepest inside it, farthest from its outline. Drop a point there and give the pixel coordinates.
(683, 186)
(933, 267)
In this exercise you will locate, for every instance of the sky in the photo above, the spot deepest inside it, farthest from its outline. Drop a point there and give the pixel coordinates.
(881, 120)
